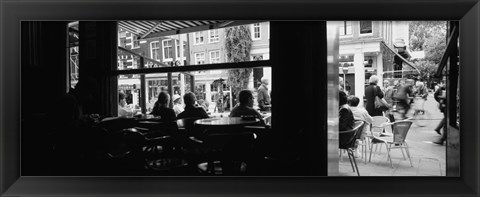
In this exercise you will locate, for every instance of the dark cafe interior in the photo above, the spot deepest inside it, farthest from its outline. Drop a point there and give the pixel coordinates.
(76, 131)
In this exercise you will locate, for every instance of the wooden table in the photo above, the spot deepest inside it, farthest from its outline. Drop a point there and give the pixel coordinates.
(226, 122)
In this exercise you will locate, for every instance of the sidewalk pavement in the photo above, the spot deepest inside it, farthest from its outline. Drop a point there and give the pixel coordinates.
(428, 159)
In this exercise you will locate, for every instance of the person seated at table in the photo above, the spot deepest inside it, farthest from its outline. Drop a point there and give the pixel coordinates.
(245, 107)
(345, 115)
(202, 103)
(191, 111)
(360, 113)
(161, 109)
(177, 104)
(123, 109)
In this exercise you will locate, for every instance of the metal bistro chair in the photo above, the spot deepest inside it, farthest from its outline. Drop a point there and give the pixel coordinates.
(378, 128)
(400, 131)
(347, 140)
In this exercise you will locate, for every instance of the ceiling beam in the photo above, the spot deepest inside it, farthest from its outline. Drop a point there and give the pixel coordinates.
(151, 29)
(201, 28)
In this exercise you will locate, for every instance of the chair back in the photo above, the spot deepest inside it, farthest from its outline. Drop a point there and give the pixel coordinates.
(348, 138)
(400, 130)
(117, 123)
(235, 144)
(188, 125)
(377, 125)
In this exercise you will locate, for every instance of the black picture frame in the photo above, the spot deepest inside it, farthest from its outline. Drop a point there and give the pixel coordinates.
(12, 12)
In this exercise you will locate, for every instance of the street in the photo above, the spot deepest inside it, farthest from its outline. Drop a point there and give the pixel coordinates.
(428, 159)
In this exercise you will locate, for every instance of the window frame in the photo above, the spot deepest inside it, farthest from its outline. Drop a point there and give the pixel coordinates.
(344, 26)
(195, 37)
(216, 37)
(195, 57)
(259, 31)
(152, 48)
(360, 34)
(210, 56)
(172, 46)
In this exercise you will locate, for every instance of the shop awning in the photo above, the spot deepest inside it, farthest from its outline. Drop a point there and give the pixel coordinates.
(408, 63)
(148, 29)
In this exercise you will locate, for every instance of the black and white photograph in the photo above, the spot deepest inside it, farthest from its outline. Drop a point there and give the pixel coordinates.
(225, 102)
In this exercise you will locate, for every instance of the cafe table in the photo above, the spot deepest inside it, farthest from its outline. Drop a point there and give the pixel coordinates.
(226, 122)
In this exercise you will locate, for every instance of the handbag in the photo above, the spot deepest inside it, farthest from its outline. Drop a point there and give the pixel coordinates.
(379, 105)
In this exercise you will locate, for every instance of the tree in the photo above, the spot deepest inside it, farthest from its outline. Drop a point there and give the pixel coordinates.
(430, 37)
(238, 44)
(421, 31)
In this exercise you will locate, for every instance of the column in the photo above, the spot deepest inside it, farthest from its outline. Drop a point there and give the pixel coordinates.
(208, 94)
(379, 62)
(359, 74)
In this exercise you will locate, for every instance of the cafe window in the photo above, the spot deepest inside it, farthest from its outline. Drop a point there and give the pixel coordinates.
(256, 34)
(155, 50)
(213, 36)
(73, 40)
(198, 38)
(365, 27)
(208, 85)
(167, 50)
(346, 28)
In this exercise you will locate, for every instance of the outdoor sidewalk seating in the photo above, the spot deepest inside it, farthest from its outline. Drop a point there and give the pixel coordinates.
(398, 139)
(347, 140)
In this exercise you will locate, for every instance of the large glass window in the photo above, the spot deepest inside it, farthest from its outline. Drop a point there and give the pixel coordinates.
(73, 39)
(216, 89)
(408, 88)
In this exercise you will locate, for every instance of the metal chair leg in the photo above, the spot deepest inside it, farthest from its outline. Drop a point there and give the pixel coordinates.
(371, 150)
(354, 161)
(349, 158)
(408, 154)
(401, 149)
(388, 152)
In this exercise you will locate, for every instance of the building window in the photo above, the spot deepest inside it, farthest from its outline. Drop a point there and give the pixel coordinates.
(155, 50)
(256, 31)
(213, 36)
(214, 57)
(177, 45)
(199, 58)
(167, 46)
(122, 40)
(198, 38)
(136, 43)
(365, 27)
(346, 28)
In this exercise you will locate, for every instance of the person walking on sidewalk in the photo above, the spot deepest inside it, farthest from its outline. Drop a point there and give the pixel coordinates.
(440, 97)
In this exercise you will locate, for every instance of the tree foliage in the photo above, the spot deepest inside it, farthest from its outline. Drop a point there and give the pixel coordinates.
(238, 44)
(430, 37)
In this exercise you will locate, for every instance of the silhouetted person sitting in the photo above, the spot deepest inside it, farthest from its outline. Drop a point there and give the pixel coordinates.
(191, 111)
(161, 108)
(345, 115)
(245, 107)
(72, 126)
(124, 110)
